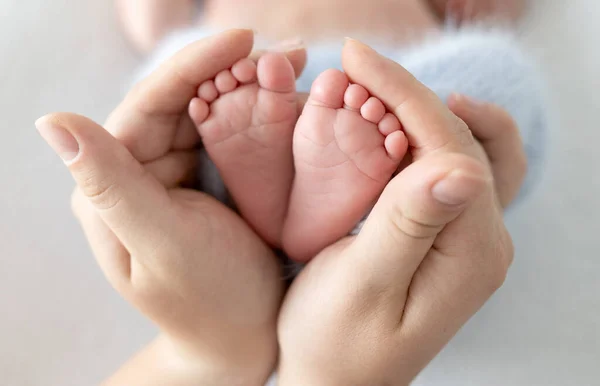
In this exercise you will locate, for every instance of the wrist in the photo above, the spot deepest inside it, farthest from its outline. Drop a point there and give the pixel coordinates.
(300, 370)
(247, 363)
(288, 377)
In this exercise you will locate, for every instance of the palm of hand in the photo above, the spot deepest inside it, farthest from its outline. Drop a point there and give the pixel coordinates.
(198, 270)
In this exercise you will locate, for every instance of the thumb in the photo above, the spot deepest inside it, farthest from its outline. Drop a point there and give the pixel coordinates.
(414, 208)
(129, 200)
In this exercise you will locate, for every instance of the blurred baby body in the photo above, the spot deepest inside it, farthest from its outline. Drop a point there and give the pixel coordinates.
(146, 22)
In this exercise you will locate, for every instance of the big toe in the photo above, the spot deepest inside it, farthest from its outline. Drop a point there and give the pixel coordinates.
(329, 88)
(275, 73)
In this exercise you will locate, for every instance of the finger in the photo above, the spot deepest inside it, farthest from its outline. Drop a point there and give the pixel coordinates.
(468, 263)
(128, 199)
(186, 134)
(174, 169)
(149, 117)
(112, 257)
(411, 212)
(499, 135)
(427, 122)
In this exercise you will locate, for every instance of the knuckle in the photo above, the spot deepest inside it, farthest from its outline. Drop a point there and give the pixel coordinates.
(105, 190)
(494, 278)
(102, 194)
(497, 281)
(498, 278)
(508, 250)
(502, 260)
(412, 227)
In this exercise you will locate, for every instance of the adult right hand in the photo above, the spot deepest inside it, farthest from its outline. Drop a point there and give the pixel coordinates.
(185, 260)
(499, 137)
(376, 309)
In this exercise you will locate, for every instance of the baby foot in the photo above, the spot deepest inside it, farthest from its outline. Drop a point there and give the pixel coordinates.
(346, 149)
(247, 130)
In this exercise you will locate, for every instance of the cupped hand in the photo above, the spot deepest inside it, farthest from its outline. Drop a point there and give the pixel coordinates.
(376, 309)
(499, 137)
(183, 259)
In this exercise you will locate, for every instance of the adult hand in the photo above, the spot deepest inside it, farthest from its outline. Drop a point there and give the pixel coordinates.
(186, 261)
(376, 309)
(499, 136)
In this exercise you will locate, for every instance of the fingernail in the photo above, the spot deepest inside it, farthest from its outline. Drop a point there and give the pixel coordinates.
(59, 139)
(289, 45)
(457, 188)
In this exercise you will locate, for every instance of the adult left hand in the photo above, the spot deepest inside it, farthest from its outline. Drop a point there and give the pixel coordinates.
(183, 259)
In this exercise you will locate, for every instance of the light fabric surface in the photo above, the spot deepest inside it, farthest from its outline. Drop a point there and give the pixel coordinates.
(61, 323)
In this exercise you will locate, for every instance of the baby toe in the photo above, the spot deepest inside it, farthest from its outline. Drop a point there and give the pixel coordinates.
(355, 96)
(225, 82)
(198, 110)
(275, 73)
(328, 89)
(389, 124)
(396, 145)
(373, 110)
(244, 71)
(208, 91)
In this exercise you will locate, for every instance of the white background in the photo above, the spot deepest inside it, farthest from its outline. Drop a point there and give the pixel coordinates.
(61, 324)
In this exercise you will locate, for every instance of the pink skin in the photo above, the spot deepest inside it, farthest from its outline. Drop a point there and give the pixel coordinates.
(344, 139)
(346, 149)
(246, 118)
(146, 21)
(473, 10)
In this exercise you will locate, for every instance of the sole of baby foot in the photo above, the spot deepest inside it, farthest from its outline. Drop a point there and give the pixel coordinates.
(246, 118)
(346, 149)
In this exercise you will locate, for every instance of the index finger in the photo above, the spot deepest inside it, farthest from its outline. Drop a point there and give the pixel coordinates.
(427, 122)
(147, 120)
